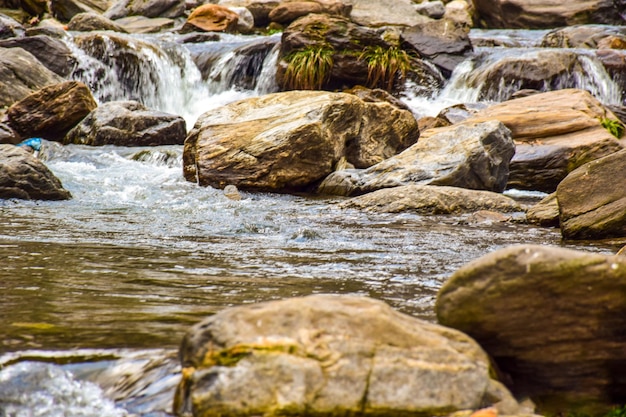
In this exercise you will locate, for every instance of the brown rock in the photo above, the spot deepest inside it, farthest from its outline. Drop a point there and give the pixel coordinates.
(213, 18)
(52, 53)
(52, 111)
(86, 22)
(545, 213)
(65, 10)
(286, 13)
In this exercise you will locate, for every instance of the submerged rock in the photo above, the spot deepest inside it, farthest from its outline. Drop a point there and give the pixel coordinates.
(330, 355)
(466, 155)
(552, 319)
(592, 199)
(128, 123)
(430, 199)
(52, 111)
(25, 177)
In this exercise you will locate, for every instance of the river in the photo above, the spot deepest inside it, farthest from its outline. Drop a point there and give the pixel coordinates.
(97, 291)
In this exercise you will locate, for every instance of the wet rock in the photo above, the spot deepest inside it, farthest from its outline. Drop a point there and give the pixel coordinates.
(554, 133)
(552, 319)
(148, 8)
(430, 199)
(86, 22)
(65, 10)
(520, 14)
(592, 200)
(581, 36)
(10, 28)
(51, 52)
(21, 74)
(622, 251)
(232, 193)
(443, 42)
(212, 18)
(51, 112)
(467, 155)
(288, 141)
(329, 355)
(128, 123)
(7, 134)
(545, 213)
(140, 24)
(24, 177)
(373, 13)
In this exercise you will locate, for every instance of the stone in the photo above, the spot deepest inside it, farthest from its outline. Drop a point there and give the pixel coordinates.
(431, 199)
(287, 12)
(288, 141)
(442, 42)
(140, 24)
(7, 134)
(128, 123)
(21, 74)
(580, 36)
(554, 133)
(260, 9)
(551, 318)
(461, 12)
(171, 9)
(10, 28)
(592, 200)
(376, 95)
(34, 7)
(86, 22)
(544, 213)
(51, 112)
(622, 251)
(373, 13)
(212, 18)
(65, 10)
(547, 14)
(22, 176)
(232, 193)
(51, 52)
(245, 19)
(328, 355)
(433, 9)
(467, 155)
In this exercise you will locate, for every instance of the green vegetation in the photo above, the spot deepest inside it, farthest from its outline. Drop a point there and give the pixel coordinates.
(232, 355)
(615, 127)
(384, 64)
(616, 412)
(309, 69)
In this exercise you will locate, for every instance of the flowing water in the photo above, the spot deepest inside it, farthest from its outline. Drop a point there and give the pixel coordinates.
(97, 291)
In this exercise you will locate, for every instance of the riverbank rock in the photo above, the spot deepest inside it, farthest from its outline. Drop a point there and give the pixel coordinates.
(52, 53)
(467, 155)
(52, 111)
(10, 28)
(24, 177)
(373, 13)
(21, 74)
(128, 123)
(581, 36)
(288, 141)
(552, 319)
(430, 199)
(148, 8)
(140, 24)
(287, 12)
(86, 22)
(544, 213)
(65, 10)
(211, 18)
(547, 14)
(592, 200)
(554, 133)
(329, 355)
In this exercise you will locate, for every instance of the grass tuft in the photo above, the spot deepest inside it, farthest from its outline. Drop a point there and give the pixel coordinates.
(615, 127)
(384, 65)
(309, 69)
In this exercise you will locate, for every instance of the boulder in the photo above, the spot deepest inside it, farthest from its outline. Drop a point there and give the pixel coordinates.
(554, 133)
(10, 28)
(65, 10)
(24, 177)
(21, 74)
(287, 12)
(581, 36)
(328, 355)
(443, 42)
(128, 123)
(592, 200)
(552, 319)
(260, 9)
(245, 20)
(212, 18)
(140, 24)
(374, 13)
(544, 213)
(433, 9)
(51, 52)
(7, 134)
(288, 141)
(461, 12)
(52, 111)
(466, 155)
(148, 8)
(431, 199)
(86, 22)
(547, 14)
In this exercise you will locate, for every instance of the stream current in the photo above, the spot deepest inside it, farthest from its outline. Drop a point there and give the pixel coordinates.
(97, 291)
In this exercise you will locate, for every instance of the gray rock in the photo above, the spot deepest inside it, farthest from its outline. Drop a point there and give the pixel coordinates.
(140, 24)
(128, 123)
(10, 28)
(51, 52)
(374, 13)
(432, 9)
(147, 8)
(467, 155)
(329, 355)
(88, 21)
(552, 319)
(23, 176)
(65, 10)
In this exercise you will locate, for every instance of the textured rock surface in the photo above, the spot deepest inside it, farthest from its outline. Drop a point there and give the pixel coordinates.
(23, 176)
(65, 10)
(52, 111)
(553, 320)
(375, 13)
(52, 53)
(467, 155)
(592, 199)
(212, 18)
(86, 22)
(288, 141)
(554, 133)
(430, 199)
(128, 123)
(147, 8)
(328, 355)
(545, 213)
